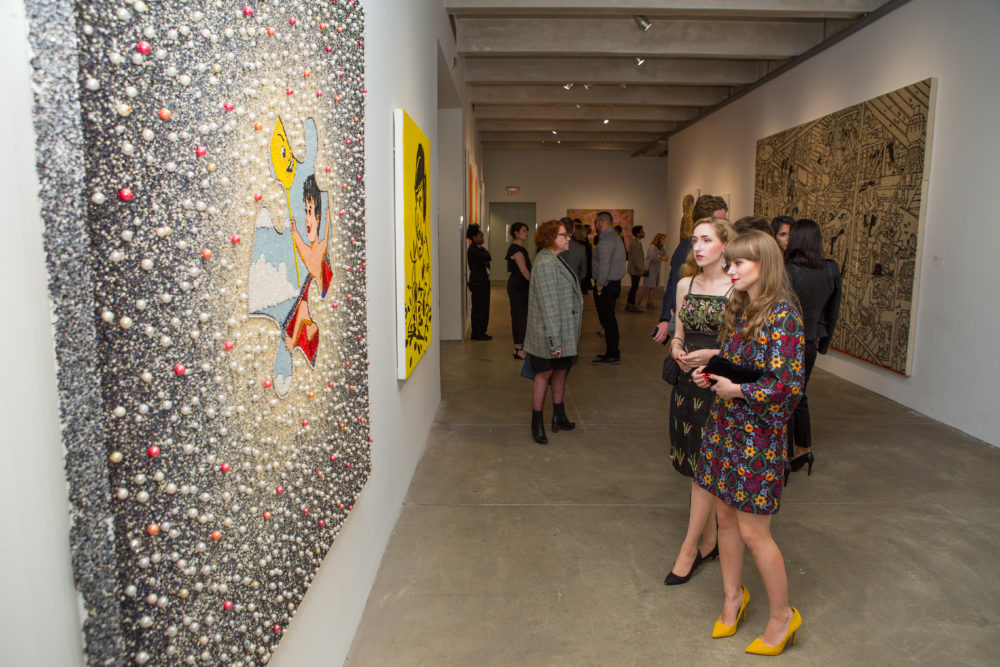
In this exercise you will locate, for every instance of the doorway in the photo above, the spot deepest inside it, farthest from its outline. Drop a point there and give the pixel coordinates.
(502, 216)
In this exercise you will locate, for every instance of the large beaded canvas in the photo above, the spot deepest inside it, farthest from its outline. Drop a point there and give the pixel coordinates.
(202, 188)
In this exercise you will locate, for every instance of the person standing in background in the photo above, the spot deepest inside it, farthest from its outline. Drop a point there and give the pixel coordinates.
(651, 276)
(609, 269)
(479, 282)
(555, 309)
(519, 267)
(576, 255)
(636, 266)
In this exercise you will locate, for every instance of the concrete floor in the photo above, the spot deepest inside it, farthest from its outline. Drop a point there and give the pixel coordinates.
(509, 553)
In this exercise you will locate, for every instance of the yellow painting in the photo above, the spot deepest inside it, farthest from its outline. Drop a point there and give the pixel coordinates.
(413, 242)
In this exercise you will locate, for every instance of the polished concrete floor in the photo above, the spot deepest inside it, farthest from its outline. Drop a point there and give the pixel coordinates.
(510, 553)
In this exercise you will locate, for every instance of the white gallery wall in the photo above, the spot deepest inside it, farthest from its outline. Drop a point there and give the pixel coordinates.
(39, 620)
(955, 365)
(556, 180)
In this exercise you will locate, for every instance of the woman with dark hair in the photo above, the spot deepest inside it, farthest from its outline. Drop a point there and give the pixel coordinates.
(817, 285)
(555, 307)
(519, 266)
(742, 451)
(779, 228)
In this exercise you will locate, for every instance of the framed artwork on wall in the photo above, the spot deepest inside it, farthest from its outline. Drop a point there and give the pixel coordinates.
(413, 242)
(202, 191)
(861, 174)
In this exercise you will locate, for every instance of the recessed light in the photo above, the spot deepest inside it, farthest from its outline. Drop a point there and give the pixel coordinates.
(567, 86)
(643, 22)
(639, 62)
(606, 121)
(554, 132)
(586, 86)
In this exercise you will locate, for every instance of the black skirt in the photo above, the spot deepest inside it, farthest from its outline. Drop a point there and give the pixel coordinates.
(543, 364)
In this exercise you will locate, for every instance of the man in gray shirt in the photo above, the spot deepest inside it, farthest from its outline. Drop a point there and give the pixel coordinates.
(608, 269)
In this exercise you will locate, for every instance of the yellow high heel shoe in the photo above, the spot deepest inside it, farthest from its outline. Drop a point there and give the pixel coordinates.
(760, 648)
(721, 629)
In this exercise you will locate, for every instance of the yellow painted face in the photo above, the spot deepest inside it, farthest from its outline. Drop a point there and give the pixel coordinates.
(281, 155)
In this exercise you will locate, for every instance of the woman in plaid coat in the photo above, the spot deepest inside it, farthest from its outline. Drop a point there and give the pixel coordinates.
(555, 306)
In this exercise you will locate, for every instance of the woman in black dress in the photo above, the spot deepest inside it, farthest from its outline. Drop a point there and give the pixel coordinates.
(519, 267)
(817, 284)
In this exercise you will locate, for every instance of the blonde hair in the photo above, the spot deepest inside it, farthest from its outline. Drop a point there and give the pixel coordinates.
(773, 284)
(723, 229)
(687, 220)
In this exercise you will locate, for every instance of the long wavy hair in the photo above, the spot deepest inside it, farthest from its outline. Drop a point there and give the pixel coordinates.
(773, 283)
(723, 229)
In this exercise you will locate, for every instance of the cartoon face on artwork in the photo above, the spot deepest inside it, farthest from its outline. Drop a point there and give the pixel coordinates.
(282, 160)
(286, 263)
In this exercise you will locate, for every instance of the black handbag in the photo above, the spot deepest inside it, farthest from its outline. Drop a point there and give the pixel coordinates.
(719, 365)
(671, 371)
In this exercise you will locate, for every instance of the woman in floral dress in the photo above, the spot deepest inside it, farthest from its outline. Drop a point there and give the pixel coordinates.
(701, 299)
(743, 452)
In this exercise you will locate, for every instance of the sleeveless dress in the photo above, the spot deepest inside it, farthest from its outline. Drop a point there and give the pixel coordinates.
(701, 315)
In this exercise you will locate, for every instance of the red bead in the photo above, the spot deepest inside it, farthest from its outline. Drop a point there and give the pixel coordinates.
(305, 510)
(165, 113)
(179, 369)
(143, 48)
(216, 535)
(153, 452)
(153, 529)
(247, 10)
(228, 345)
(227, 605)
(125, 194)
(235, 238)
(277, 629)
(288, 91)
(319, 93)
(305, 422)
(292, 21)
(206, 253)
(267, 384)
(329, 48)
(200, 151)
(257, 196)
(228, 106)
(279, 489)
(224, 467)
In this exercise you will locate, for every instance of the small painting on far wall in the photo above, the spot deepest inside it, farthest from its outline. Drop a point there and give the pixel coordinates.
(621, 216)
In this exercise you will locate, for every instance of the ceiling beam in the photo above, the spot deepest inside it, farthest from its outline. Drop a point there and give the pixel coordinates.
(622, 69)
(682, 96)
(621, 137)
(655, 8)
(584, 112)
(628, 147)
(653, 127)
(755, 40)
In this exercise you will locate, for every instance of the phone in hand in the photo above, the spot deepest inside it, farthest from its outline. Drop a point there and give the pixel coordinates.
(656, 330)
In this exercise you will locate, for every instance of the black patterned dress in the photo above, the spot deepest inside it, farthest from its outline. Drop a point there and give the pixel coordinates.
(701, 315)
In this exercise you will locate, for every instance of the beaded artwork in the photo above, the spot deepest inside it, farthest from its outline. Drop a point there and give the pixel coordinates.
(202, 188)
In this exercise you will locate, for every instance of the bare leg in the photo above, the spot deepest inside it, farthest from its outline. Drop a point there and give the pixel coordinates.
(755, 531)
(731, 557)
(702, 505)
(539, 388)
(558, 386)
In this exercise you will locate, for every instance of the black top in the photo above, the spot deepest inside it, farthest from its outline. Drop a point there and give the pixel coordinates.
(819, 295)
(517, 279)
(479, 265)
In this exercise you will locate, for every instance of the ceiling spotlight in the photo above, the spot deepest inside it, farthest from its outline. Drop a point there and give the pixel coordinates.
(622, 86)
(639, 62)
(643, 22)
(579, 106)
(554, 132)
(567, 86)
(606, 121)
(586, 86)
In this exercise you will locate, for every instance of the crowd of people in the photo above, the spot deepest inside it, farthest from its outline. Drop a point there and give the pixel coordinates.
(747, 307)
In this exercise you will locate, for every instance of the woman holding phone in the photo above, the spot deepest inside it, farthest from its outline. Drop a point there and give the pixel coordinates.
(743, 452)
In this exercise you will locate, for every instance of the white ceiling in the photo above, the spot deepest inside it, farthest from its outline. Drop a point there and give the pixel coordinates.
(549, 73)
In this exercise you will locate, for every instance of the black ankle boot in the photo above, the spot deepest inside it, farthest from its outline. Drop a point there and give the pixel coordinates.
(538, 427)
(559, 418)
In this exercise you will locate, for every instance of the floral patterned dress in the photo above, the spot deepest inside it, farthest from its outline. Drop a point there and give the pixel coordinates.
(743, 453)
(701, 315)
